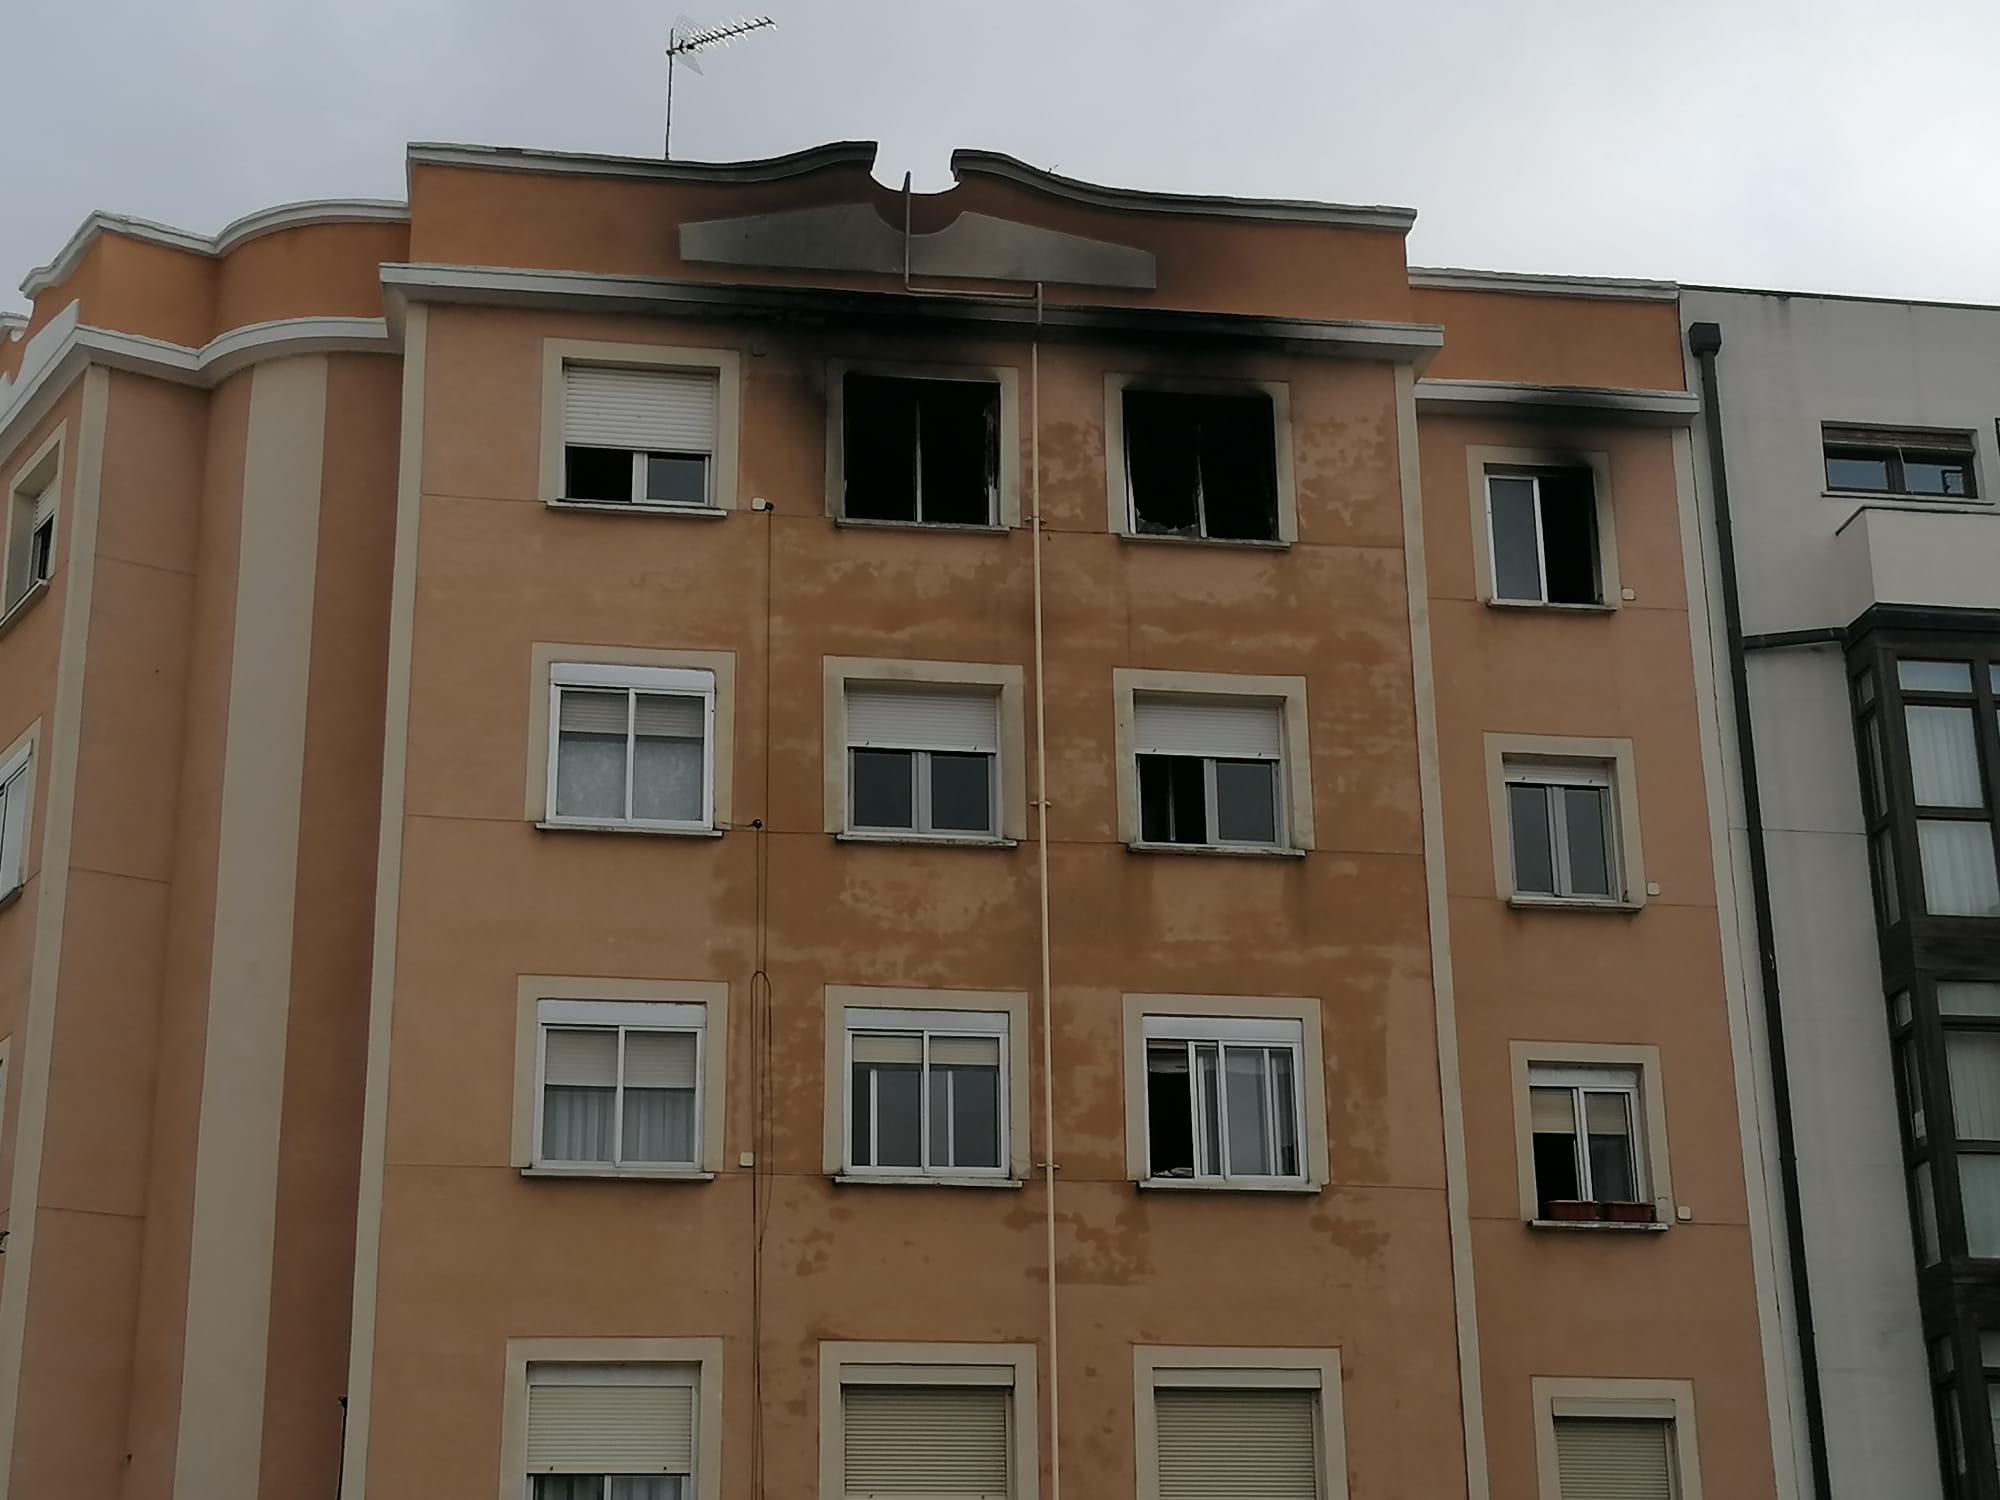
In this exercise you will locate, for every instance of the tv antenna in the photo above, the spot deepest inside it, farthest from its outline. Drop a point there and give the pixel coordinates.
(685, 39)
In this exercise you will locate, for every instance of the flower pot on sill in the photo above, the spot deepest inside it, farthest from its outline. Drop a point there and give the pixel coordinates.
(1630, 1213)
(1567, 1209)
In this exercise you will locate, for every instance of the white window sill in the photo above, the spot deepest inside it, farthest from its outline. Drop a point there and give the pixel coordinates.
(1571, 903)
(1211, 1185)
(1230, 851)
(23, 604)
(1254, 544)
(1545, 606)
(10, 897)
(657, 830)
(638, 508)
(1650, 1226)
(885, 1179)
(1944, 503)
(976, 528)
(934, 840)
(619, 1174)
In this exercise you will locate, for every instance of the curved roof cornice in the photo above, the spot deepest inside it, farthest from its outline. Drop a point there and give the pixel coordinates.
(591, 164)
(249, 227)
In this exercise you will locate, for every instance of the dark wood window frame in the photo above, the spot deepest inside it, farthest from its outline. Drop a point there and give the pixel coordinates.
(1895, 449)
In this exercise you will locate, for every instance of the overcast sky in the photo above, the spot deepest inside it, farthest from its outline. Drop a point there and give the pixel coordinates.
(1839, 145)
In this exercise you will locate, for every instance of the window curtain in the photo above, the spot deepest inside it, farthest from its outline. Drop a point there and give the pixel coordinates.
(1974, 1059)
(667, 761)
(1944, 758)
(1979, 1191)
(1958, 868)
(590, 755)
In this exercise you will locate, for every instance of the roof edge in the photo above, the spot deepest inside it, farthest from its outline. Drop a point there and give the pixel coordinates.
(1461, 279)
(237, 231)
(970, 163)
(596, 164)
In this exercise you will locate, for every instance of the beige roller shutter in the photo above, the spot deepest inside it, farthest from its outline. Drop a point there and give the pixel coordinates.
(673, 716)
(610, 1429)
(659, 1060)
(651, 411)
(1605, 1458)
(926, 1440)
(580, 1057)
(1237, 1444)
(1192, 726)
(45, 504)
(923, 719)
(595, 710)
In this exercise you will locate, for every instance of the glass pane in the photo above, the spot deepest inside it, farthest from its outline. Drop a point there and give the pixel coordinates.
(884, 790)
(1209, 1087)
(1528, 820)
(1586, 827)
(1169, 1115)
(1944, 758)
(1913, 1094)
(1927, 1230)
(677, 479)
(1878, 782)
(668, 777)
(1972, 1058)
(646, 1487)
(590, 774)
(1864, 689)
(1614, 1176)
(965, 1116)
(1557, 1178)
(1173, 801)
(659, 1126)
(1979, 1192)
(1285, 1087)
(577, 1123)
(1934, 676)
(1857, 470)
(569, 1487)
(1993, 1414)
(1899, 1008)
(1989, 1349)
(1958, 868)
(1249, 1133)
(1517, 564)
(1246, 801)
(1888, 897)
(1936, 474)
(898, 1113)
(1968, 997)
(961, 793)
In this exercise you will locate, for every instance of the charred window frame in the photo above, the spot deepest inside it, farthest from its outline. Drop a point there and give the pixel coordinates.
(1202, 465)
(920, 450)
(1541, 526)
(1912, 463)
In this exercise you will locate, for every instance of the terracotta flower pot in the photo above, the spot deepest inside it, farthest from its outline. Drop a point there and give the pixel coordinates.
(1630, 1213)
(1572, 1209)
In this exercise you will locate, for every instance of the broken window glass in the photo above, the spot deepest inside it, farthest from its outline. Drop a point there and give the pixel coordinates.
(1202, 464)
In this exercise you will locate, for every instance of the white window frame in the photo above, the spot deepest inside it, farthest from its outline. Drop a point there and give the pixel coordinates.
(622, 1016)
(1223, 1032)
(679, 681)
(663, 1376)
(1541, 547)
(1616, 1399)
(37, 480)
(920, 771)
(17, 795)
(1211, 811)
(1169, 1367)
(702, 1357)
(1483, 462)
(724, 364)
(1011, 1366)
(926, 1023)
(1627, 1082)
(1295, 763)
(1602, 777)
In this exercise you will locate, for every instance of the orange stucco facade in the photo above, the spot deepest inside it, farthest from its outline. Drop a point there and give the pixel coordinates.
(286, 887)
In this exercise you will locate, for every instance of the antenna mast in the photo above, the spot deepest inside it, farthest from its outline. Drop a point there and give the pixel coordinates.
(685, 39)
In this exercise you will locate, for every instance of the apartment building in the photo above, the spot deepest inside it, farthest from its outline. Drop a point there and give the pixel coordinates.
(708, 830)
(1855, 440)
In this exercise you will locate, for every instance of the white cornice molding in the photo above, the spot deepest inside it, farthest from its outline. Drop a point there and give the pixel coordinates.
(1451, 278)
(76, 346)
(249, 227)
(1524, 399)
(1282, 210)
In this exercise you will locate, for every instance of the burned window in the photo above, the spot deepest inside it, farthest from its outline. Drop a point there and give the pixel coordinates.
(1202, 465)
(924, 451)
(1543, 527)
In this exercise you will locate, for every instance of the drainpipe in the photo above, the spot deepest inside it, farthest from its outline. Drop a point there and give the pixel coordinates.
(1705, 342)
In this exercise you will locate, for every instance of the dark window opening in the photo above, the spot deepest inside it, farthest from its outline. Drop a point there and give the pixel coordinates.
(1173, 799)
(621, 476)
(1544, 532)
(41, 551)
(1169, 1111)
(1201, 465)
(920, 450)
(1555, 1171)
(597, 474)
(1933, 465)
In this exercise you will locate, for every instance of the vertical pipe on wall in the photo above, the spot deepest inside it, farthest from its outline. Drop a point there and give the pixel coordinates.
(1042, 870)
(1705, 342)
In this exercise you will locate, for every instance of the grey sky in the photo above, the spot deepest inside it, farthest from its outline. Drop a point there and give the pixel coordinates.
(1840, 145)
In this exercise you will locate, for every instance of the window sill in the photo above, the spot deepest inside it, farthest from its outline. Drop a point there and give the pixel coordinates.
(23, 604)
(1253, 544)
(975, 528)
(871, 1179)
(1191, 1185)
(929, 840)
(638, 508)
(1946, 503)
(7, 900)
(1596, 1226)
(1564, 903)
(1543, 606)
(1227, 851)
(621, 1174)
(551, 826)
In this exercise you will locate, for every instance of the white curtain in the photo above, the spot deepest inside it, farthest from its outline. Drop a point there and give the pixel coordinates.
(1974, 1059)
(667, 761)
(590, 754)
(1944, 758)
(659, 1125)
(621, 1486)
(1979, 1190)
(1958, 868)
(1249, 1137)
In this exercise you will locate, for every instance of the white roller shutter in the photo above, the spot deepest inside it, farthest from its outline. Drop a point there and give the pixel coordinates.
(652, 411)
(923, 718)
(668, 716)
(610, 1429)
(659, 1060)
(595, 710)
(1604, 1458)
(926, 1440)
(1194, 726)
(575, 1058)
(45, 504)
(1236, 1444)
